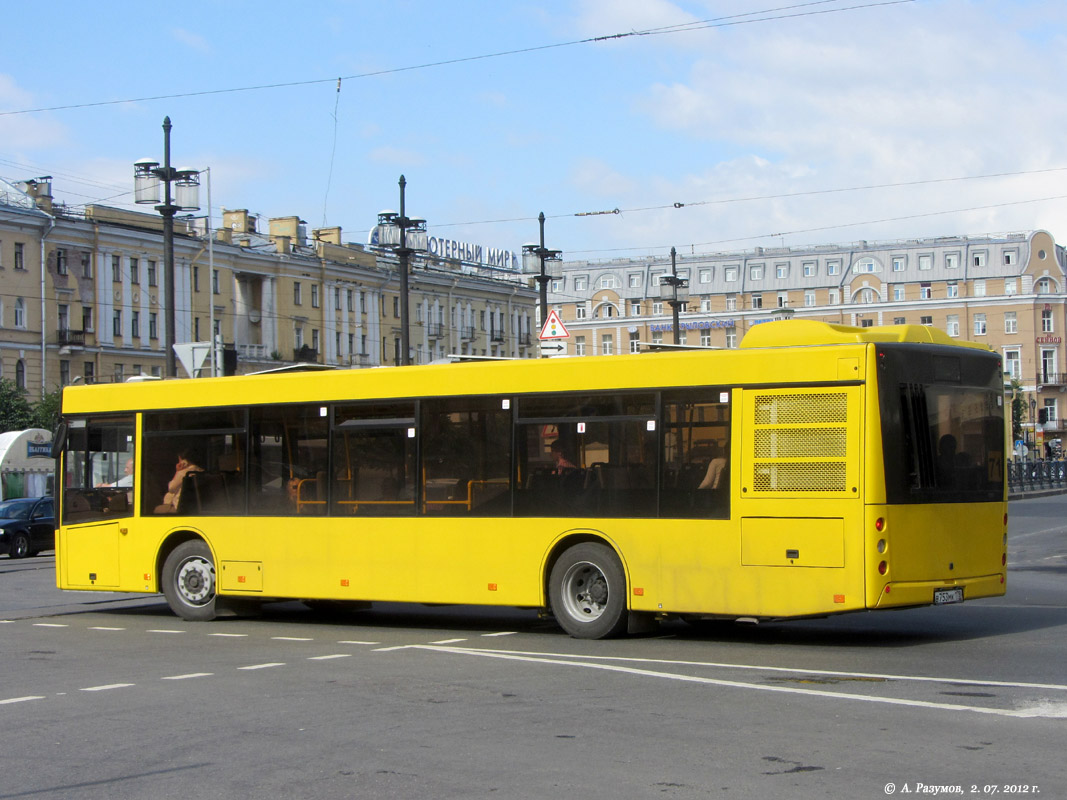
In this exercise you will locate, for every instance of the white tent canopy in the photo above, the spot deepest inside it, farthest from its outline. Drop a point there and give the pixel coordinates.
(26, 466)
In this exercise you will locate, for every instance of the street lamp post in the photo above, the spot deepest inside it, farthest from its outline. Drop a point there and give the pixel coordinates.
(147, 176)
(1033, 426)
(399, 231)
(544, 264)
(677, 296)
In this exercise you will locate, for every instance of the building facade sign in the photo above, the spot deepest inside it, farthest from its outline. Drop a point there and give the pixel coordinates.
(465, 251)
(703, 324)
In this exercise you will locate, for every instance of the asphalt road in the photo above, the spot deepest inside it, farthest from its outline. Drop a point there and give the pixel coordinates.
(111, 696)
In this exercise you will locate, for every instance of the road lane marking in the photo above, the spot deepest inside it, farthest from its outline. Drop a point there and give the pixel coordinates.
(163, 630)
(264, 666)
(107, 687)
(187, 676)
(292, 639)
(327, 658)
(355, 641)
(1028, 712)
(103, 628)
(230, 635)
(448, 641)
(502, 633)
(791, 670)
(11, 700)
(49, 625)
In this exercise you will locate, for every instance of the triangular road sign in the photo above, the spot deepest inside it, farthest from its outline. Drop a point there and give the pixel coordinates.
(553, 327)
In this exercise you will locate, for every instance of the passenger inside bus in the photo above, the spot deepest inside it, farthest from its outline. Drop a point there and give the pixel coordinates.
(185, 465)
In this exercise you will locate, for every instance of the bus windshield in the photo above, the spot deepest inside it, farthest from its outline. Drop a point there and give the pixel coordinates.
(942, 425)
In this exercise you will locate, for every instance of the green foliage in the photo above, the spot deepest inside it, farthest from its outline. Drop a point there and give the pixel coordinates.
(46, 412)
(16, 414)
(1018, 410)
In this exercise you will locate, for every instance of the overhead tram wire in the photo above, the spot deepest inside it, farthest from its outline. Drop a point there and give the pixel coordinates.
(716, 22)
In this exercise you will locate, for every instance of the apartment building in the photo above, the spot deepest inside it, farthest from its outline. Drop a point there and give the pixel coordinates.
(82, 295)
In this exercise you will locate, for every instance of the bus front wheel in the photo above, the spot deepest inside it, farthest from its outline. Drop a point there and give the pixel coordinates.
(189, 581)
(587, 589)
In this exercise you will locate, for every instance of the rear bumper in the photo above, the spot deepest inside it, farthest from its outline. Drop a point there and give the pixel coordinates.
(921, 593)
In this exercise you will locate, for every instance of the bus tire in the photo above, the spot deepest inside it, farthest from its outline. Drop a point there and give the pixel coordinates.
(587, 590)
(189, 581)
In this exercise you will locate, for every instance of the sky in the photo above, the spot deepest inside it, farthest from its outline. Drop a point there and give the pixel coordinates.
(633, 125)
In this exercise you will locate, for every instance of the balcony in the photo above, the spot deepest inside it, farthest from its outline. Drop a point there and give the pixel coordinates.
(496, 336)
(466, 332)
(524, 339)
(69, 338)
(435, 330)
(306, 355)
(253, 352)
(1052, 379)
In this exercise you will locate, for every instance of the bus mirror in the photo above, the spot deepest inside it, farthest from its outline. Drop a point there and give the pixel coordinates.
(59, 439)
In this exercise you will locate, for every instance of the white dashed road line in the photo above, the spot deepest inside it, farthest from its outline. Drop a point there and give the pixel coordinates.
(329, 657)
(264, 666)
(107, 687)
(11, 700)
(188, 676)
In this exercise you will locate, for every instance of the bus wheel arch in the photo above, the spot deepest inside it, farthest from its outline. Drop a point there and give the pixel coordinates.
(586, 587)
(187, 577)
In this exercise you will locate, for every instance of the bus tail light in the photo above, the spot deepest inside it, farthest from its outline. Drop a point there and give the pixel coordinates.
(879, 524)
(883, 568)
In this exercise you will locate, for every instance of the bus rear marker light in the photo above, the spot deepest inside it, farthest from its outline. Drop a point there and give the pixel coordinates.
(839, 598)
(879, 524)
(344, 582)
(883, 568)
(639, 592)
(492, 587)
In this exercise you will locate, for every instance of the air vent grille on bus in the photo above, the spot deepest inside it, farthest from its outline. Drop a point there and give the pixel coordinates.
(785, 409)
(800, 442)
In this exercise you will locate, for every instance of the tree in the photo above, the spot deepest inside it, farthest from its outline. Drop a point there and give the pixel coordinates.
(1018, 410)
(16, 414)
(46, 412)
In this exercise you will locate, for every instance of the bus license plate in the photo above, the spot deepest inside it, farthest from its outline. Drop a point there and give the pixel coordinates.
(943, 597)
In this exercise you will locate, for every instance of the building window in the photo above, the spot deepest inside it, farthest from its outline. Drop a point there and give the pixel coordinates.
(833, 297)
(153, 325)
(349, 302)
(757, 301)
(581, 283)
(20, 374)
(783, 300)
(315, 339)
(705, 304)
(116, 269)
(314, 295)
(866, 323)
(899, 292)
(657, 337)
(607, 344)
(120, 373)
(926, 320)
(781, 270)
(833, 267)
(1046, 322)
(952, 325)
(135, 324)
(296, 293)
(978, 259)
(634, 280)
(657, 308)
(579, 345)
(865, 265)
(979, 288)
(898, 263)
(866, 296)
(705, 276)
(20, 313)
(153, 280)
(952, 260)
(755, 272)
(1011, 322)
(61, 262)
(811, 269)
(1011, 257)
(900, 321)
(635, 309)
(1013, 364)
(809, 297)
(87, 265)
(1010, 286)
(731, 340)
(557, 285)
(730, 274)
(1044, 286)
(953, 289)
(635, 342)
(926, 261)
(731, 302)
(64, 372)
(116, 324)
(979, 325)
(87, 318)
(925, 292)
(196, 279)
(214, 281)
(135, 271)
(705, 337)
(581, 310)
(20, 258)
(608, 282)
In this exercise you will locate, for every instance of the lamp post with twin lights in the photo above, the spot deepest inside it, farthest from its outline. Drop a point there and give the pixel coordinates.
(675, 291)
(544, 264)
(147, 176)
(405, 236)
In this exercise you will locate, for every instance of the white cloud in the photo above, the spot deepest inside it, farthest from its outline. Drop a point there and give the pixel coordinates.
(190, 39)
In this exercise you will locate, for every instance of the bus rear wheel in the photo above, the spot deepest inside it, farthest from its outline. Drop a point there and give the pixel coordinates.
(587, 590)
(189, 581)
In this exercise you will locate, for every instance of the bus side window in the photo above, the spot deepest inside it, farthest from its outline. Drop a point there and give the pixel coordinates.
(696, 454)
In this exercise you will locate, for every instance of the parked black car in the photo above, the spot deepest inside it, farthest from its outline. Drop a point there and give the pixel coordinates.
(27, 526)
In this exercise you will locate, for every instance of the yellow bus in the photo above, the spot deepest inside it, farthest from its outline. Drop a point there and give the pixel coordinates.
(816, 469)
